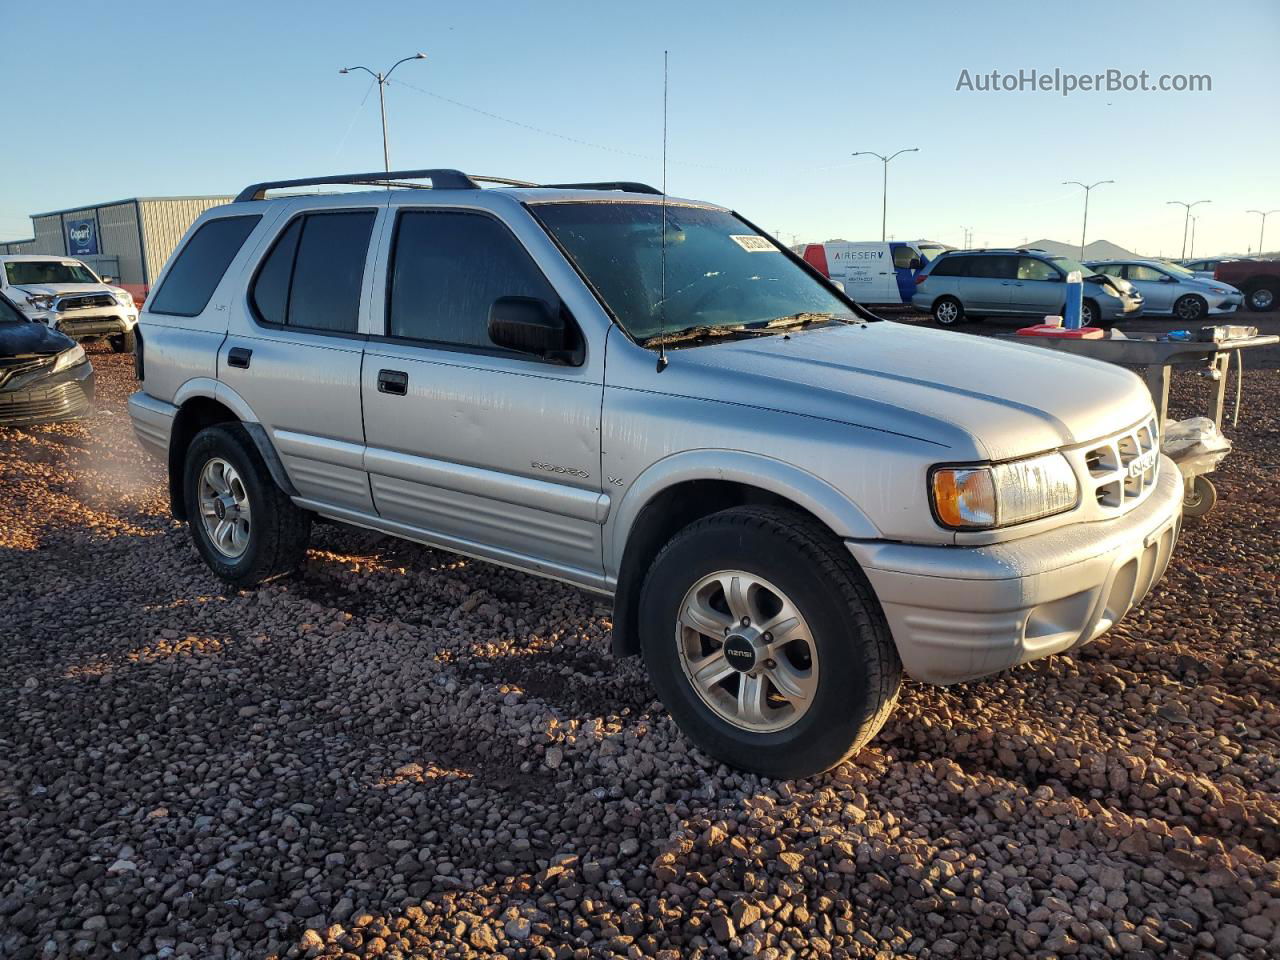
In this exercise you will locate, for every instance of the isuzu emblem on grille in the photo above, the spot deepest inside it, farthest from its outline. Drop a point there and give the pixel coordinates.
(1141, 464)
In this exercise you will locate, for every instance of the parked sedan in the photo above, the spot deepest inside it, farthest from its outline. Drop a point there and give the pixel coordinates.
(44, 375)
(1168, 289)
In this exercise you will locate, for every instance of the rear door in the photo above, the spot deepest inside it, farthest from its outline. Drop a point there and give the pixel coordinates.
(295, 348)
(989, 286)
(480, 449)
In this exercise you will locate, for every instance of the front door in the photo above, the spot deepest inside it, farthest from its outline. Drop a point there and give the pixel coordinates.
(1157, 288)
(1038, 290)
(479, 449)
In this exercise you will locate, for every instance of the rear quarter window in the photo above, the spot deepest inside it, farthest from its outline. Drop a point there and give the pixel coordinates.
(199, 266)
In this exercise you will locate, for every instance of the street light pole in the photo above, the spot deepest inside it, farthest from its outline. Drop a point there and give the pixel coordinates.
(1262, 229)
(884, 190)
(1084, 228)
(382, 79)
(1192, 253)
(1186, 221)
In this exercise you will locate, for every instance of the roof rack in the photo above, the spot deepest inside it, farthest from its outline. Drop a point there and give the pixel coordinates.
(441, 179)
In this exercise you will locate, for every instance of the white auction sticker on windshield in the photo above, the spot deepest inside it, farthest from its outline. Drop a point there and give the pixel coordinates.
(753, 244)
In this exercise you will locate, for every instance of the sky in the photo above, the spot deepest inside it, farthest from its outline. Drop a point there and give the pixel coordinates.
(766, 102)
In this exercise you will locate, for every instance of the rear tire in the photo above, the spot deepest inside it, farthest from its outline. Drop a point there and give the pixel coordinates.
(265, 535)
(1261, 298)
(948, 311)
(826, 686)
(123, 342)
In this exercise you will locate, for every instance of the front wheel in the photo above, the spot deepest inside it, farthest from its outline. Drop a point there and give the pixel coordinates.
(1190, 308)
(766, 644)
(1090, 314)
(123, 342)
(245, 527)
(948, 311)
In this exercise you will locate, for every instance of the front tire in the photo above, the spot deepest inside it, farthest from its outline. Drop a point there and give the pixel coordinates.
(1090, 314)
(948, 311)
(1190, 308)
(244, 526)
(123, 342)
(766, 643)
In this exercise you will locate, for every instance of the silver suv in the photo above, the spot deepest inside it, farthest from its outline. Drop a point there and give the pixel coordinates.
(789, 501)
(962, 284)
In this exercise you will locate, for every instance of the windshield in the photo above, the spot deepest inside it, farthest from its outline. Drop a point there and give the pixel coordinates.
(1067, 265)
(930, 251)
(1177, 270)
(719, 272)
(23, 272)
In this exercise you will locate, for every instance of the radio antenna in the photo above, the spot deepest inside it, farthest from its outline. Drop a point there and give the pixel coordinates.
(662, 316)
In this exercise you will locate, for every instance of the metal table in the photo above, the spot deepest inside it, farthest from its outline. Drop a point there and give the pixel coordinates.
(1155, 360)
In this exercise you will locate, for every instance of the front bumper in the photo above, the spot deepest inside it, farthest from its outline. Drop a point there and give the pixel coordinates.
(61, 396)
(957, 613)
(1225, 305)
(94, 325)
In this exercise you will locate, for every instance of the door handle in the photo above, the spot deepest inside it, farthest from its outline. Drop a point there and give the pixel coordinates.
(239, 357)
(395, 382)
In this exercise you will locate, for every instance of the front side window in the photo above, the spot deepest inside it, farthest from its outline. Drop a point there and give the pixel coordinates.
(709, 271)
(314, 274)
(448, 268)
(1140, 272)
(1029, 268)
(902, 257)
(199, 266)
(22, 272)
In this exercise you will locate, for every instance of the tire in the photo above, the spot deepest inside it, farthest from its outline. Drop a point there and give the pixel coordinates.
(1190, 308)
(1261, 298)
(123, 342)
(1090, 314)
(1202, 497)
(266, 540)
(948, 311)
(853, 672)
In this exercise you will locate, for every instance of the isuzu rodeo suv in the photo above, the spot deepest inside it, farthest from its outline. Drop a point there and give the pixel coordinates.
(789, 501)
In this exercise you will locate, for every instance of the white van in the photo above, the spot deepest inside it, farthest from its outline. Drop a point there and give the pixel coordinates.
(874, 272)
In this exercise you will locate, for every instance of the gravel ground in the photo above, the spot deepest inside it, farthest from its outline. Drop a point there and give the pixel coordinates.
(399, 752)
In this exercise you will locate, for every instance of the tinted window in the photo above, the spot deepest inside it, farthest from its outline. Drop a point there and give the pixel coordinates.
(328, 271)
(999, 266)
(446, 271)
(200, 265)
(1029, 268)
(271, 288)
(951, 267)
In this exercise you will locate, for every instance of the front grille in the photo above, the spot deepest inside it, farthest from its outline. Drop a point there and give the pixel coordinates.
(11, 367)
(1122, 469)
(58, 402)
(85, 301)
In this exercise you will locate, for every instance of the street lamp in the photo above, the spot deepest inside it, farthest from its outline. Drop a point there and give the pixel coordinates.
(1194, 221)
(884, 195)
(1087, 187)
(1186, 221)
(382, 100)
(1263, 228)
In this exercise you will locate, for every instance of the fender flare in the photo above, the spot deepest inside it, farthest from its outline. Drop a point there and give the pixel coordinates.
(840, 514)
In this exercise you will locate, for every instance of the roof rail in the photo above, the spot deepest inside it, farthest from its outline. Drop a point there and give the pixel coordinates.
(443, 179)
(626, 186)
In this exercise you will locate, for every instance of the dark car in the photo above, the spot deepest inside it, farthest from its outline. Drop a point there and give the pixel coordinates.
(1259, 280)
(44, 375)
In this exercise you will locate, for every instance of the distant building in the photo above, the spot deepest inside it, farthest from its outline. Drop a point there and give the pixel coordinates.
(1098, 250)
(126, 239)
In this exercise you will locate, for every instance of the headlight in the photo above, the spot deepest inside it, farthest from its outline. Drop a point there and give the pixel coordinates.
(124, 298)
(40, 301)
(985, 496)
(69, 358)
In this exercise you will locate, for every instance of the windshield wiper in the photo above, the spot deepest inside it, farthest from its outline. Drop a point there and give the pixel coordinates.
(703, 331)
(802, 319)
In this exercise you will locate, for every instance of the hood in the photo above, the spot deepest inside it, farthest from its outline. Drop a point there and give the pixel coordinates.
(1210, 285)
(21, 339)
(983, 398)
(61, 289)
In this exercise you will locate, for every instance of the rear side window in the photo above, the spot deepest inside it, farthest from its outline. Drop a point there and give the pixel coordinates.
(199, 267)
(313, 276)
(951, 267)
(447, 270)
(999, 266)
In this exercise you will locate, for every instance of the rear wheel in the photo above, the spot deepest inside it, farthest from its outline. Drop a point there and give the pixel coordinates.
(1261, 298)
(123, 342)
(245, 527)
(1190, 308)
(766, 644)
(948, 311)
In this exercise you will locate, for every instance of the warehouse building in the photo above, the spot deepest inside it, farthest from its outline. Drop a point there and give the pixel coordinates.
(125, 239)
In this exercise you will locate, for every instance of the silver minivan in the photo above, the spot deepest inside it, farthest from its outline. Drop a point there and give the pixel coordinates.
(789, 502)
(964, 284)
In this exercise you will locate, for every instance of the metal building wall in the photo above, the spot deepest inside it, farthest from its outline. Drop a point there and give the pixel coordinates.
(164, 221)
(120, 235)
(49, 236)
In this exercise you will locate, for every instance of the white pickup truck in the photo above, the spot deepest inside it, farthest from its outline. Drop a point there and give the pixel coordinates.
(68, 296)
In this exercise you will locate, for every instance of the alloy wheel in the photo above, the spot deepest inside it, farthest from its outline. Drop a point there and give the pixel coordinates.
(224, 508)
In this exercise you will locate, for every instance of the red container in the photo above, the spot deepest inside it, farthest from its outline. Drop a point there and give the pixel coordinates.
(1050, 330)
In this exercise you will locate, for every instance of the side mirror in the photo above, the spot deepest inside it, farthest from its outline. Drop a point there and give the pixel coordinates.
(529, 325)
(108, 279)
